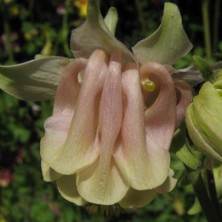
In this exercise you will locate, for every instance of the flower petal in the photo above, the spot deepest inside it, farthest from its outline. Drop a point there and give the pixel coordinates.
(190, 74)
(48, 173)
(33, 80)
(67, 188)
(145, 173)
(68, 142)
(160, 117)
(184, 99)
(104, 184)
(168, 43)
(168, 185)
(135, 198)
(152, 151)
(94, 34)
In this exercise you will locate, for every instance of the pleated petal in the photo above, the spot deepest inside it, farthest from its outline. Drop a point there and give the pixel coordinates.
(103, 183)
(99, 187)
(135, 198)
(68, 142)
(160, 118)
(144, 164)
(67, 188)
(48, 173)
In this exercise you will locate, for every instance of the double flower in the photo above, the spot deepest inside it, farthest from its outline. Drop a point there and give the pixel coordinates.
(114, 114)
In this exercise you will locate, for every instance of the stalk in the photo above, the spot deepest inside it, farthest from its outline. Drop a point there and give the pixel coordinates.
(206, 25)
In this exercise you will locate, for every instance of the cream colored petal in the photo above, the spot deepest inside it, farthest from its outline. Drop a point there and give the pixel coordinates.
(69, 153)
(184, 99)
(143, 166)
(98, 188)
(103, 183)
(48, 173)
(135, 198)
(67, 188)
(168, 185)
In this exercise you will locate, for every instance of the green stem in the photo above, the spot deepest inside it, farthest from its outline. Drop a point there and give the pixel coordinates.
(196, 179)
(211, 186)
(207, 39)
(216, 25)
(65, 31)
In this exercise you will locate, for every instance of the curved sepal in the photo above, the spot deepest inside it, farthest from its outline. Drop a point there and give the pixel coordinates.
(33, 80)
(111, 19)
(94, 34)
(168, 43)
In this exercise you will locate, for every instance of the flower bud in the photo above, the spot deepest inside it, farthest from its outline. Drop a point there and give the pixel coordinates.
(204, 119)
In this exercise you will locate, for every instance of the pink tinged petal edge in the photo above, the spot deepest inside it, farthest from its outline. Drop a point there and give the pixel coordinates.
(142, 159)
(67, 188)
(185, 97)
(160, 118)
(70, 148)
(102, 183)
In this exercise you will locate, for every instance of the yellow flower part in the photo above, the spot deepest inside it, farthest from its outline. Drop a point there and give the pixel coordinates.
(82, 6)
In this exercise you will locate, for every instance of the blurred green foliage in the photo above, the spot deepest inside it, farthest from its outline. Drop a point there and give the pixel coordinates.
(31, 27)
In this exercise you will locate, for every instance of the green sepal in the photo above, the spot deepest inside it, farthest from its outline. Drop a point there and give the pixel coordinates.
(94, 34)
(33, 80)
(188, 157)
(183, 150)
(111, 19)
(168, 43)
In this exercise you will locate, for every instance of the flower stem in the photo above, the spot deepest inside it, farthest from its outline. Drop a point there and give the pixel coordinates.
(211, 186)
(196, 179)
(216, 25)
(65, 30)
(207, 39)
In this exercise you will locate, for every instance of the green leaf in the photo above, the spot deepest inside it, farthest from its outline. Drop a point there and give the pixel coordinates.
(94, 34)
(33, 80)
(168, 43)
(195, 209)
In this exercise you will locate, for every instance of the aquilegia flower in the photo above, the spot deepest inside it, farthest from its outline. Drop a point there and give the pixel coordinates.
(115, 113)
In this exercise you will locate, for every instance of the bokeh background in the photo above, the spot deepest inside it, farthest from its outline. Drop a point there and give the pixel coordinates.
(31, 27)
